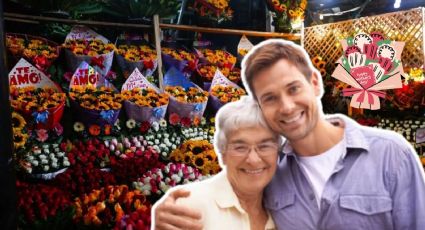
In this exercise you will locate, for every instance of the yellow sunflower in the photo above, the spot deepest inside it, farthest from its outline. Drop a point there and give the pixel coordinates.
(199, 161)
(19, 139)
(18, 122)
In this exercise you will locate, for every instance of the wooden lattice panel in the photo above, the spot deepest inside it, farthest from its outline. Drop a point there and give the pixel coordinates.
(407, 26)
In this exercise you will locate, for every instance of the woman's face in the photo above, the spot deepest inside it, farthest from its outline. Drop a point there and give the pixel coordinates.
(250, 158)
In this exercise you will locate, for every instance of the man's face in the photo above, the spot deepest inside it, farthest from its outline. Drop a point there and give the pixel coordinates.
(288, 100)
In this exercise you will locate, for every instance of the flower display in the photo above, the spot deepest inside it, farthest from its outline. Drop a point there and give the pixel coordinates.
(145, 97)
(221, 58)
(207, 71)
(87, 47)
(158, 180)
(199, 154)
(108, 205)
(44, 159)
(41, 203)
(217, 10)
(191, 95)
(197, 133)
(406, 128)
(92, 98)
(163, 138)
(128, 147)
(227, 93)
(31, 99)
(20, 136)
(39, 51)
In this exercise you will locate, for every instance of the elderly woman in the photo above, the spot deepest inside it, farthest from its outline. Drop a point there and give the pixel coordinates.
(248, 152)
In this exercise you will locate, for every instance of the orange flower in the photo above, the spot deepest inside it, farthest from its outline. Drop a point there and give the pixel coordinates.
(94, 130)
(107, 129)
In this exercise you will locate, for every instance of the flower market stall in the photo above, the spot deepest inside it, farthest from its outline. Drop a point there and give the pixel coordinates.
(108, 118)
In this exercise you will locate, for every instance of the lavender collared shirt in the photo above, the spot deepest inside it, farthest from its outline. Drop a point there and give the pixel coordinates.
(378, 184)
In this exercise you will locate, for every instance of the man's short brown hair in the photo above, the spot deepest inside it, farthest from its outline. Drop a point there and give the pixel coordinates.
(267, 53)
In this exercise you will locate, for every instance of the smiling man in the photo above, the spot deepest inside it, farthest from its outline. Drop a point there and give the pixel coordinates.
(332, 173)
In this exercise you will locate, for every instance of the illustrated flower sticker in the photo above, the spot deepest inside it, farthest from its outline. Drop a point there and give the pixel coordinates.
(370, 63)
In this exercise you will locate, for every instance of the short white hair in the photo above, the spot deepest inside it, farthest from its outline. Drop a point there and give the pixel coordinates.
(244, 113)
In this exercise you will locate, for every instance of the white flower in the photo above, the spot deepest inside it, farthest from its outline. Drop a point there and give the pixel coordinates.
(55, 165)
(131, 123)
(51, 156)
(61, 154)
(106, 142)
(37, 151)
(54, 160)
(44, 161)
(42, 156)
(55, 145)
(159, 135)
(57, 150)
(163, 122)
(46, 150)
(34, 162)
(30, 158)
(102, 164)
(173, 146)
(166, 135)
(138, 144)
(46, 168)
(156, 141)
(155, 126)
(78, 127)
(66, 163)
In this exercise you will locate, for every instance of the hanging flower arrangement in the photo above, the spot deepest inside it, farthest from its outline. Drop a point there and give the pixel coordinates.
(191, 95)
(216, 10)
(199, 154)
(287, 14)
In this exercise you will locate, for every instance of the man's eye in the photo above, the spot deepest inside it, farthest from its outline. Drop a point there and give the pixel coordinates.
(270, 98)
(294, 89)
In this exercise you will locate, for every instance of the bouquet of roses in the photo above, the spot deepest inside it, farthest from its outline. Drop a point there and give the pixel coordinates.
(107, 206)
(199, 154)
(157, 181)
(45, 162)
(42, 207)
(370, 64)
(39, 51)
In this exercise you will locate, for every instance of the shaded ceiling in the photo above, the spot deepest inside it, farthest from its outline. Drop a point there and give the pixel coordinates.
(339, 10)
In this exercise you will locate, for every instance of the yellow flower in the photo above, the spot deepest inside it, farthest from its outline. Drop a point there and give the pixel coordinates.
(18, 122)
(19, 139)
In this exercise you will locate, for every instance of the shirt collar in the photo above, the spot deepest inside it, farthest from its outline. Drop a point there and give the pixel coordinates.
(225, 197)
(354, 137)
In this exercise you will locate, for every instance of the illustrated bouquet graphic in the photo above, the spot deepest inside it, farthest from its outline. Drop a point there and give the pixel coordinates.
(370, 63)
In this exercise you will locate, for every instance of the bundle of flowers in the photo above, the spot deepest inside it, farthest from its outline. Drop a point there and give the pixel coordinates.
(96, 105)
(137, 99)
(227, 93)
(20, 135)
(41, 106)
(220, 58)
(163, 138)
(217, 10)
(190, 95)
(90, 48)
(157, 181)
(128, 147)
(42, 207)
(138, 220)
(234, 75)
(129, 169)
(415, 74)
(198, 133)
(45, 162)
(107, 206)
(179, 58)
(92, 151)
(287, 14)
(83, 178)
(83, 44)
(207, 71)
(199, 154)
(244, 46)
(142, 57)
(39, 51)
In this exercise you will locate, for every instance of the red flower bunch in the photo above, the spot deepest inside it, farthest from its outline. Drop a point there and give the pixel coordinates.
(128, 170)
(81, 179)
(138, 220)
(92, 151)
(40, 202)
(106, 207)
(368, 121)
